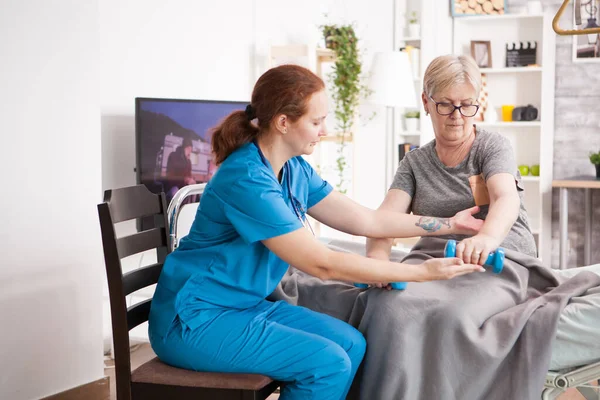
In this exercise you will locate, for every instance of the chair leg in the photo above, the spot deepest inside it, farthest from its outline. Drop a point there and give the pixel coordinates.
(249, 396)
(261, 394)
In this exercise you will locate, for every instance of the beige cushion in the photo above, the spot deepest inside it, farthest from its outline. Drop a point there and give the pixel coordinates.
(157, 372)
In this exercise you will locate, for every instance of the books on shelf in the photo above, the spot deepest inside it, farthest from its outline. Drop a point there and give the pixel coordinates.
(404, 148)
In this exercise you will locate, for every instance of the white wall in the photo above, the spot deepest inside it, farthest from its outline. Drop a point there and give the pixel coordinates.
(216, 50)
(51, 264)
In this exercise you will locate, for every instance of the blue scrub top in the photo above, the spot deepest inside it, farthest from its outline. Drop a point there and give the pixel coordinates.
(222, 262)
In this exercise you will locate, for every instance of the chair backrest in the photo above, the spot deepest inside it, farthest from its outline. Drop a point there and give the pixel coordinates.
(122, 205)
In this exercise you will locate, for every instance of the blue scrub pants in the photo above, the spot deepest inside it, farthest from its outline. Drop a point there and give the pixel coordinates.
(314, 354)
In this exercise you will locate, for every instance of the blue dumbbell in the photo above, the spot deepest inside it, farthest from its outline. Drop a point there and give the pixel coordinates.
(495, 258)
(395, 285)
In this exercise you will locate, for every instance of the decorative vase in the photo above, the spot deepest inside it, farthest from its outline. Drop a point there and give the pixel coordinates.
(412, 124)
(597, 170)
(414, 30)
(490, 115)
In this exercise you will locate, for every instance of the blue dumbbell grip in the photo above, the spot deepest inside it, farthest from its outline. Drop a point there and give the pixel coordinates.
(395, 285)
(398, 285)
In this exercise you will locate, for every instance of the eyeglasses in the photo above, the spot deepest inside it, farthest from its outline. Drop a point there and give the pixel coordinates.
(468, 110)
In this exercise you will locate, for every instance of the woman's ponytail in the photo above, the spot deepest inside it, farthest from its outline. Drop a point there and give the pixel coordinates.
(232, 133)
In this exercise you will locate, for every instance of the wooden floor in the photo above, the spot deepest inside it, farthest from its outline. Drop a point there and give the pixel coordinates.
(142, 353)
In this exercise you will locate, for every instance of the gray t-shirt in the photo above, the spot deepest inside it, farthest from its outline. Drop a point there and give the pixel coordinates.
(441, 191)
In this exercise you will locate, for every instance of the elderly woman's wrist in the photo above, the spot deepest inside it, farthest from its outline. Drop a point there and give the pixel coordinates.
(378, 255)
(493, 237)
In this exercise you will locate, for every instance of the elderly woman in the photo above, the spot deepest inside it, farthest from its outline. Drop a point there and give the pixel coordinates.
(462, 167)
(485, 336)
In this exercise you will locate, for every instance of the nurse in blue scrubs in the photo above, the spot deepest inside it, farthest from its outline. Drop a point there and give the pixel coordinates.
(209, 312)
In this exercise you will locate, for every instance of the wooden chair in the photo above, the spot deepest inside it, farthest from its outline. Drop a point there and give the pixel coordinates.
(154, 379)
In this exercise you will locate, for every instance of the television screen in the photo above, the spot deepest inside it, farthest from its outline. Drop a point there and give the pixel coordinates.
(173, 142)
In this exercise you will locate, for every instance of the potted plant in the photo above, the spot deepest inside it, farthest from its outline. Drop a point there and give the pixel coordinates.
(346, 87)
(329, 35)
(411, 121)
(595, 159)
(414, 28)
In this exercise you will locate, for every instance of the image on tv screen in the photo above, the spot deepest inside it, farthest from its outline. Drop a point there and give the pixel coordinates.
(173, 141)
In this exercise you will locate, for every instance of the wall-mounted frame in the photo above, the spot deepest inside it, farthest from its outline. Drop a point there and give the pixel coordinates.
(481, 51)
(586, 48)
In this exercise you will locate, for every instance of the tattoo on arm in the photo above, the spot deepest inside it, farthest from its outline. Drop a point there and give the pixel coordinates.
(432, 224)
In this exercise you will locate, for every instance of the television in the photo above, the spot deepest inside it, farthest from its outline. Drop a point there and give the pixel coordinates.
(173, 146)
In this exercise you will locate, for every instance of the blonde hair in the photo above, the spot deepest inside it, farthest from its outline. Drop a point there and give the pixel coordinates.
(449, 70)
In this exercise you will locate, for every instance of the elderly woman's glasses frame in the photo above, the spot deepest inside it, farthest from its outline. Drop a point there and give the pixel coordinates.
(466, 110)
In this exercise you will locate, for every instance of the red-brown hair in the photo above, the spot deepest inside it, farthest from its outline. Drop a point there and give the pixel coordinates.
(281, 90)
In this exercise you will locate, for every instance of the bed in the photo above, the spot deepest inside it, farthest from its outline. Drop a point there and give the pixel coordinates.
(575, 360)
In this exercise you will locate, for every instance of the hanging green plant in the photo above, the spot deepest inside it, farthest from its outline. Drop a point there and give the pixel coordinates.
(347, 88)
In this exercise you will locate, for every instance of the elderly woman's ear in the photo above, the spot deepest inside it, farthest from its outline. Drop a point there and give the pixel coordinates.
(425, 103)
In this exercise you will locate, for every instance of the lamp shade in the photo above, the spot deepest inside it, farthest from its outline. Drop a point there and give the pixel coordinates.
(391, 80)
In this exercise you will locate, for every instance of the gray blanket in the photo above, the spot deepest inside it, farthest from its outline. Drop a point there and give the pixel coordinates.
(479, 336)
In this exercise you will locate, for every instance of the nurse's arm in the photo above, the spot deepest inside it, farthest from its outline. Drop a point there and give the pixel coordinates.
(342, 213)
(302, 250)
(395, 200)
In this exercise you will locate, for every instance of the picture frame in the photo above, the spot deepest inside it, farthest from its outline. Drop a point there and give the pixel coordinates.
(466, 8)
(584, 51)
(481, 51)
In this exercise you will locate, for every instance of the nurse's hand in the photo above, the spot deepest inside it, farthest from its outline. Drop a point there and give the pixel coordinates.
(385, 286)
(448, 268)
(465, 224)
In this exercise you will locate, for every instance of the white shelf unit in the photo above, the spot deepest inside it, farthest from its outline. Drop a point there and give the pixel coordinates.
(426, 13)
(532, 141)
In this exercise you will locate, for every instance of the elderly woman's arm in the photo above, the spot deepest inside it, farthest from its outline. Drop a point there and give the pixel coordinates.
(502, 214)
(395, 200)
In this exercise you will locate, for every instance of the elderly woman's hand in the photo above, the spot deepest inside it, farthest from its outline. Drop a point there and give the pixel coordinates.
(465, 224)
(381, 255)
(475, 249)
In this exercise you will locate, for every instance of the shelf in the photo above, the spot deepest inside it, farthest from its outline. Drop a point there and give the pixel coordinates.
(325, 55)
(325, 52)
(337, 138)
(509, 70)
(512, 124)
(480, 18)
(410, 133)
(530, 178)
(410, 39)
